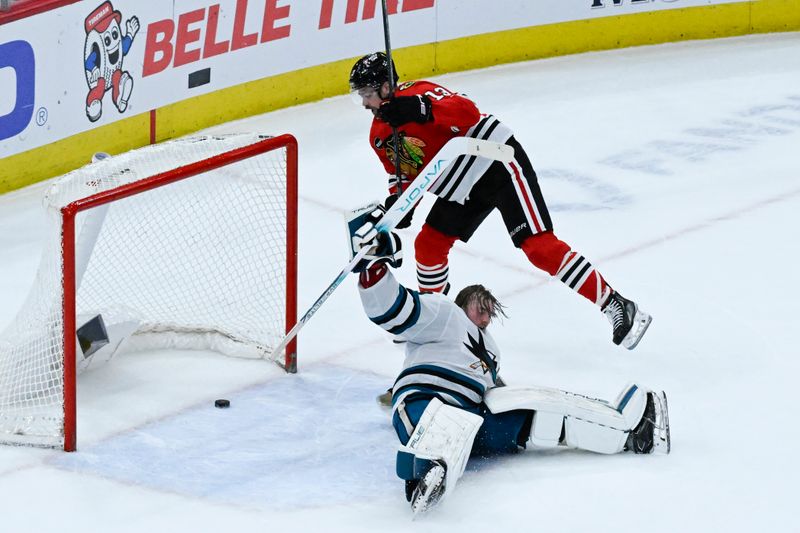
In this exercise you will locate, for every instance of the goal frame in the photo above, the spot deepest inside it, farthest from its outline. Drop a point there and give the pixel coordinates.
(70, 212)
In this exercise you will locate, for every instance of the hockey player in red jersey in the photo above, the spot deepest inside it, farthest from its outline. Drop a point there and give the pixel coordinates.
(425, 116)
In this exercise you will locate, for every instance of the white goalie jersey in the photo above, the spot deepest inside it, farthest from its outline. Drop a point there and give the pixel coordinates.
(446, 354)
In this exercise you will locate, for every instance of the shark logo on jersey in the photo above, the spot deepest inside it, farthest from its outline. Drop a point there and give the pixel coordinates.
(412, 155)
(486, 359)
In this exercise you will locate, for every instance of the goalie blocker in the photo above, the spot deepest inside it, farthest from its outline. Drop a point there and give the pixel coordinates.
(382, 246)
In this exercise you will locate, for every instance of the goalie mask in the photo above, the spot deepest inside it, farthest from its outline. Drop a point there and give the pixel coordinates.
(371, 71)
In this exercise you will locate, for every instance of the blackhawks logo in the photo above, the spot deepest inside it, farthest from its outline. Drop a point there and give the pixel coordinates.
(412, 155)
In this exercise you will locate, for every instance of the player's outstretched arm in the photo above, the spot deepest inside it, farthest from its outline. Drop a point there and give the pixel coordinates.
(388, 304)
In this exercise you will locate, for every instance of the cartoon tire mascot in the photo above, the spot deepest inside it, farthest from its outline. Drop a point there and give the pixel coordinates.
(103, 54)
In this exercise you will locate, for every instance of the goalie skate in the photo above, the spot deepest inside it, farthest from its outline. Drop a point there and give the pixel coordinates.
(429, 491)
(651, 435)
(628, 321)
(661, 438)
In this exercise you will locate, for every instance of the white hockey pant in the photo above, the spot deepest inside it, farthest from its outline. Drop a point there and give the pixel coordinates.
(444, 433)
(585, 423)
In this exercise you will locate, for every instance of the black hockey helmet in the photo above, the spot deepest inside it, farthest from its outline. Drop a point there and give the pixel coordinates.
(372, 70)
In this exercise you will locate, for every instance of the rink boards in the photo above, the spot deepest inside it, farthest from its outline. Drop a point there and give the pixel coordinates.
(196, 63)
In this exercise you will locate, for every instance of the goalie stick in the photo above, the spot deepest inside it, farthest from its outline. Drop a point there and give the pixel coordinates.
(411, 196)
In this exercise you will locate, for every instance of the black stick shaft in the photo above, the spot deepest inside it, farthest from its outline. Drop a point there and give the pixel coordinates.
(387, 40)
(392, 87)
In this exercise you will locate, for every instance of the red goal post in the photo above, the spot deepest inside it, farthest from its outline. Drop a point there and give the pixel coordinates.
(186, 244)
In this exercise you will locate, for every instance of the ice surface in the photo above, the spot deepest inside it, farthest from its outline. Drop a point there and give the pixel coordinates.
(672, 168)
(259, 451)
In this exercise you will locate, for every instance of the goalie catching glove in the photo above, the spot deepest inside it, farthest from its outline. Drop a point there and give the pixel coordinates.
(382, 247)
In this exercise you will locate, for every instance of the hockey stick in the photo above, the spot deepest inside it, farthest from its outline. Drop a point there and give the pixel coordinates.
(396, 138)
(425, 179)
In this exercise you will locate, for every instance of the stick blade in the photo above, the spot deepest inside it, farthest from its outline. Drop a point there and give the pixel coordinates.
(489, 149)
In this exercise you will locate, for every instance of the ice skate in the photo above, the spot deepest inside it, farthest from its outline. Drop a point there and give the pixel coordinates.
(628, 321)
(430, 490)
(652, 433)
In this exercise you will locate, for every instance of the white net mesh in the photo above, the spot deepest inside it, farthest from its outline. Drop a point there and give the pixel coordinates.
(199, 263)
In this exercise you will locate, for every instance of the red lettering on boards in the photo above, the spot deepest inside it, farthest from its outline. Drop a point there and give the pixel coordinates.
(368, 11)
(158, 47)
(272, 14)
(240, 40)
(185, 37)
(197, 34)
(211, 47)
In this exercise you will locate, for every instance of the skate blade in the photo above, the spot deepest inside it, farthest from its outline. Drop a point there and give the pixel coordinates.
(431, 492)
(640, 324)
(661, 434)
(666, 422)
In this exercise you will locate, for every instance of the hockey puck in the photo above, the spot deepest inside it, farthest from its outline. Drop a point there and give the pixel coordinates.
(222, 404)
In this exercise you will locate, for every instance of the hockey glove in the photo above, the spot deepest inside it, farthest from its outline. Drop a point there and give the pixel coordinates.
(406, 221)
(400, 110)
(382, 247)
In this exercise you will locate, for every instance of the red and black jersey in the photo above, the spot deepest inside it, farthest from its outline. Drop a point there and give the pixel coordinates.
(453, 115)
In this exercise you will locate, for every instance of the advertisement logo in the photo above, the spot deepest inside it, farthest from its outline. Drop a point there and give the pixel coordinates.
(104, 52)
(18, 57)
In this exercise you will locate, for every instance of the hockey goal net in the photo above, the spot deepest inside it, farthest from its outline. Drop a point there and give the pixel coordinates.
(187, 244)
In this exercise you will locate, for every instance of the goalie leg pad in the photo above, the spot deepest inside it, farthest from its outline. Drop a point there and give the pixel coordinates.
(443, 433)
(587, 435)
(583, 422)
(546, 429)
